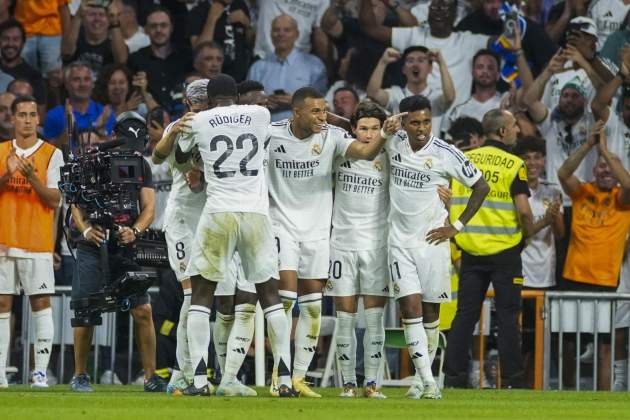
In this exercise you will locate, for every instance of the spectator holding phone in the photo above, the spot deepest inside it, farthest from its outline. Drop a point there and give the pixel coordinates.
(287, 69)
(124, 92)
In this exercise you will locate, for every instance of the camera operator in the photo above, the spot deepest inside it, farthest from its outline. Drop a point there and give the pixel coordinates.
(88, 274)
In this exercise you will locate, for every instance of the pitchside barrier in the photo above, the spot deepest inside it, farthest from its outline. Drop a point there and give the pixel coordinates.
(583, 316)
(104, 335)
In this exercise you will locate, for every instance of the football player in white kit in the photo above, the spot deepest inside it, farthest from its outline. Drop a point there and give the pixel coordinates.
(231, 139)
(302, 151)
(358, 252)
(182, 212)
(419, 250)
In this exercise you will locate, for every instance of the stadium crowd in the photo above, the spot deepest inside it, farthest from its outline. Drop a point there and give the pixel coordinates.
(559, 69)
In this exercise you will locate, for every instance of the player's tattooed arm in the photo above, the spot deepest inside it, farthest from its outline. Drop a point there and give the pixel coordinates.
(479, 191)
(164, 147)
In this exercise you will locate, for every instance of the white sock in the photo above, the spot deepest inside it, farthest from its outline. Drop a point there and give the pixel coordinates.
(220, 334)
(416, 340)
(433, 338)
(373, 343)
(347, 346)
(279, 337)
(621, 371)
(5, 338)
(198, 327)
(288, 298)
(307, 332)
(181, 352)
(44, 331)
(240, 339)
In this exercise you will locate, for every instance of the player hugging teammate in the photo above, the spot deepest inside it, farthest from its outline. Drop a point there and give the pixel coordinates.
(394, 160)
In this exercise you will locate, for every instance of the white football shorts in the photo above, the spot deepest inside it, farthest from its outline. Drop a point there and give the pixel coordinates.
(180, 234)
(353, 273)
(220, 235)
(35, 276)
(422, 270)
(309, 258)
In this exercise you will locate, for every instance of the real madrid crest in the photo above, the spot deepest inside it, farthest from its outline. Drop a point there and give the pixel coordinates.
(316, 149)
(329, 285)
(182, 266)
(378, 165)
(428, 163)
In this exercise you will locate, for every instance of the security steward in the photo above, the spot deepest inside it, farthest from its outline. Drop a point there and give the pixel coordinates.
(491, 244)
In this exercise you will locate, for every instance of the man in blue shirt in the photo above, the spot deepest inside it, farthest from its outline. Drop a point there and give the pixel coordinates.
(87, 114)
(287, 69)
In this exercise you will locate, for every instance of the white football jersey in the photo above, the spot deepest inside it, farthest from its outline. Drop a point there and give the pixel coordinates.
(361, 204)
(560, 146)
(181, 200)
(539, 256)
(300, 179)
(415, 207)
(609, 16)
(231, 142)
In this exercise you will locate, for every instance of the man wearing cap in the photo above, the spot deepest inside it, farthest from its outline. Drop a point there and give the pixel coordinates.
(580, 35)
(566, 126)
(87, 277)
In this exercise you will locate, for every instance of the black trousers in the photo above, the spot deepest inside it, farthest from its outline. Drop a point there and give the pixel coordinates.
(505, 273)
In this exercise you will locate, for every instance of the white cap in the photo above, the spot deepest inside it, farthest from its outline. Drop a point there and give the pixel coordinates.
(586, 25)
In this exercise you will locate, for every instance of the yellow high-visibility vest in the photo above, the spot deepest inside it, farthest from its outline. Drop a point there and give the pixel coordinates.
(495, 227)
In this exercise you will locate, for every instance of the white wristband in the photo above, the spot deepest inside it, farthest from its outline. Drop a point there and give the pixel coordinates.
(458, 225)
(383, 134)
(86, 231)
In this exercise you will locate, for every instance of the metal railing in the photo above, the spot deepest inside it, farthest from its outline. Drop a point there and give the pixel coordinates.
(539, 344)
(104, 335)
(580, 313)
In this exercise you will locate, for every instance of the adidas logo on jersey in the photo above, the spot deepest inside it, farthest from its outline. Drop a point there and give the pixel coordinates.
(43, 351)
(343, 357)
(280, 149)
(416, 355)
(43, 286)
(376, 356)
(310, 349)
(443, 296)
(608, 14)
(397, 158)
(346, 164)
(239, 350)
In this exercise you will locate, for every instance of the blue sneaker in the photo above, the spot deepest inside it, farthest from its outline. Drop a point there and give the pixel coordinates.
(81, 383)
(155, 384)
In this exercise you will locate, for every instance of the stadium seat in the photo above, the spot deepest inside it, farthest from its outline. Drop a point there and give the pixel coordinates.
(395, 339)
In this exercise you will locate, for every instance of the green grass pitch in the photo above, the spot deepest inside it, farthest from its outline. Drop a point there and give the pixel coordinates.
(127, 402)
